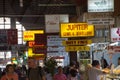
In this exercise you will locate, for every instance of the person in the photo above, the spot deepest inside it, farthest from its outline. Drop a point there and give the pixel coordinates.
(73, 75)
(10, 73)
(48, 74)
(34, 72)
(59, 75)
(104, 63)
(94, 72)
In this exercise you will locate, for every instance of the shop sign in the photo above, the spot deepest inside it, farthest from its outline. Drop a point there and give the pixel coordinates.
(52, 22)
(115, 34)
(30, 35)
(77, 48)
(56, 48)
(39, 50)
(113, 49)
(101, 21)
(98, 15)
(56, 53)
(100, 5)
(76, 42)
(76, 30)
(55, 40)
(30, 53)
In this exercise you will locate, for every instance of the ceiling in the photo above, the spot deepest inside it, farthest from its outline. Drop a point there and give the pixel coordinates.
(31, 13)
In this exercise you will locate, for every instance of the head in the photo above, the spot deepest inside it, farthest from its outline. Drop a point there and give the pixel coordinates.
(60, 70)
(10, 68)
(32, 63)
(96, 64)
(104, 63)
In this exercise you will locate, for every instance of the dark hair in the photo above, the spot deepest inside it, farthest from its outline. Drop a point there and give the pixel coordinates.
(104, 63)
(9, 65)
(95, 63)
(119, 58)
(59, 67)
(73, 72)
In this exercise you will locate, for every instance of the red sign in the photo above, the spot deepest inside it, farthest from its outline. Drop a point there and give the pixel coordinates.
(8, 36)
(40, 50)
(113, 49)
(12, 36)
(40, 39)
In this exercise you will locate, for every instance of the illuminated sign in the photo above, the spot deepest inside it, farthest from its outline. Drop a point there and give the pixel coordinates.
(31, 43)
(77, 48)
(76, 30)
(31, 54)
(76, 42)
(30, 35)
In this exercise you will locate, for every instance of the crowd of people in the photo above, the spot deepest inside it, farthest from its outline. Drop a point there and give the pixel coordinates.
(72, 72)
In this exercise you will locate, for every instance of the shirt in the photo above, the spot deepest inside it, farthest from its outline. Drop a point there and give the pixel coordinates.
(94, 73)
(60, 77)
(34, 74)
(13, 76)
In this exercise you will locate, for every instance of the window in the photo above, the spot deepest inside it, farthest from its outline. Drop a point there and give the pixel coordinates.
(5, 24)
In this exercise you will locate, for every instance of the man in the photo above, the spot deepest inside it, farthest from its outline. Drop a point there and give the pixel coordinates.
(94, 72)
(34, 72)
(60, 75)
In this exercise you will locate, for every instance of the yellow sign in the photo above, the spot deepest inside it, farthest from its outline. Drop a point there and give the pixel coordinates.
(76, 30)
(30, 35)
(76, 42)
(31, 54)
(77, 48)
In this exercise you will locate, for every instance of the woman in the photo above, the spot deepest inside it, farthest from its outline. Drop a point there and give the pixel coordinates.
(59, 75)
(10, 73)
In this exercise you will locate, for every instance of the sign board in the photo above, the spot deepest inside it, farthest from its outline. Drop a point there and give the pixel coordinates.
(39, 50)
(8, 36)
(52, 22)
(55, 40)
(100, 5)
(115, 34)
(40, 39)
(30, 53)
(12, 36)
(76, 42)
(113, 49)
(101, 21)
(76, 30)
(77, 48)
(30, 35)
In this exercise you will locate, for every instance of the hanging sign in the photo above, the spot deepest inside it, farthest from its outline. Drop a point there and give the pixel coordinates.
(30, 35)
(76, 30)
(77, 48)
(76, 42)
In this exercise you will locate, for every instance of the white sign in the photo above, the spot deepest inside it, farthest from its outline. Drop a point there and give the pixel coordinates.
(56, 53)
(52, 22)
(56, 48)
(101, 21)
(55, 40)
(100, 5)
(115, 34)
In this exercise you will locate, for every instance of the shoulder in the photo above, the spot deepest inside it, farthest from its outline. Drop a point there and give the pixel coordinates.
(3, 77)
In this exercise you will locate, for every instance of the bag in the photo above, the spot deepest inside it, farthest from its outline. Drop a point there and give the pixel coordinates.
(39, 71)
